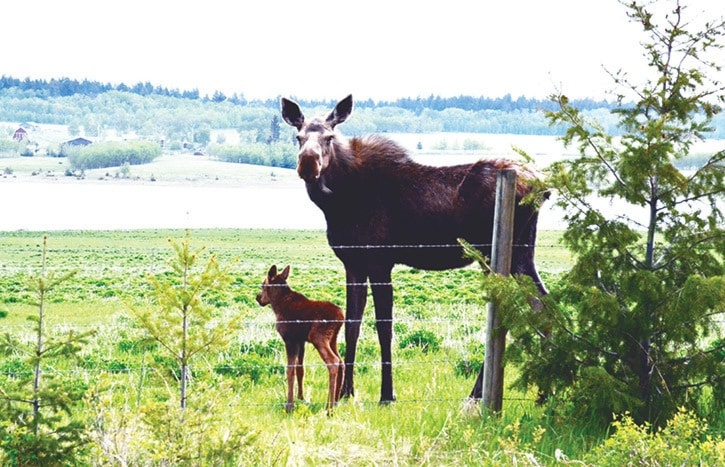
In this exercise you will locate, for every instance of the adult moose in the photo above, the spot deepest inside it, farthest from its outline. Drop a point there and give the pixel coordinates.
(382, 209)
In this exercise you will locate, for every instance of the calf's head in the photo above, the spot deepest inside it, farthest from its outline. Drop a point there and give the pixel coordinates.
(273, 283)
(316, 137)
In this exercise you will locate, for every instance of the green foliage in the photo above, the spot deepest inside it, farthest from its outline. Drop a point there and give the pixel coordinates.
(177, 119)
(471, 362)
(112, 154)
(274, 128)
(512, 295)
(251, 366)
(633, 319)
(209, 431)
(202, 433)
(36, 405)
(10, 147)
(185, 324)
(426, 340)
(683, 441)
(274, 154)
(133, 416)
(202, 136)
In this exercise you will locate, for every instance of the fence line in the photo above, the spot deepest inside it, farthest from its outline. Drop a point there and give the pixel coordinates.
(196, 368)
(152, 268)
(137, 270)
(292, 245)
(271, 322)
(157, 251)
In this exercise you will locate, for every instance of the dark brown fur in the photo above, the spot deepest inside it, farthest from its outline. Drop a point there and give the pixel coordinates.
(382, 209)
(300, 320)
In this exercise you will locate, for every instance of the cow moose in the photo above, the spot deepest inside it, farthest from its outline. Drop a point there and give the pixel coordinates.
(382, 208)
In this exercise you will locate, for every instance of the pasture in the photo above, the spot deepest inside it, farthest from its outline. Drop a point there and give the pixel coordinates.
(237, 396)
(439, 321)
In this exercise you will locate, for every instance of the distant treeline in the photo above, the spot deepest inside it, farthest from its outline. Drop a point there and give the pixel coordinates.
(179, 119)
(64, 87)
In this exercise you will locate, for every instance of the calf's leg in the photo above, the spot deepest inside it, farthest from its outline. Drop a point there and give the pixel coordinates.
(340, 365)
(321, 342)
(292, 349)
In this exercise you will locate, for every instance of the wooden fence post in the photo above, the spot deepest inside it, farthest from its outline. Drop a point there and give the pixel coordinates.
(503, 227)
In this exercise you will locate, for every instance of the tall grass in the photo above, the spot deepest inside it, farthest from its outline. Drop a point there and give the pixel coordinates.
(238, 394)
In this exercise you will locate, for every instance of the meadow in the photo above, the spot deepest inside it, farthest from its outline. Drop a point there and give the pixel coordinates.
(236, 400)
(437, 353)
(235, 409)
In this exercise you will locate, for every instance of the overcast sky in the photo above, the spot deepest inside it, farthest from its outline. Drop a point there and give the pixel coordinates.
(379, 49)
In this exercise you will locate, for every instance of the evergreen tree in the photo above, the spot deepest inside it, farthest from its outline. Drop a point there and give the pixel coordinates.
(635, 326)
(275, 127)
(38, 425)
(186, 322)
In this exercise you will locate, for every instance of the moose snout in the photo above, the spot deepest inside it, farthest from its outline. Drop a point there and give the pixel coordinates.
(308, 167)
(260, 299)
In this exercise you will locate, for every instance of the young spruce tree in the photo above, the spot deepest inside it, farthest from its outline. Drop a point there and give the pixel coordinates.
(39, 420)
(637, 322)
(185, 321)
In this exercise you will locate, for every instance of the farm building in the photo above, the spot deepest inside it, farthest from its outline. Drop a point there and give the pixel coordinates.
(78, 142)
(20, 135)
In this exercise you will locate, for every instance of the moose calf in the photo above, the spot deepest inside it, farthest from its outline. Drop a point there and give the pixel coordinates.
(300, 320)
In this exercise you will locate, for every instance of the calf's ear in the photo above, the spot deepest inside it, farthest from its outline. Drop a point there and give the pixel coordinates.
(285, 273)
(272, 271)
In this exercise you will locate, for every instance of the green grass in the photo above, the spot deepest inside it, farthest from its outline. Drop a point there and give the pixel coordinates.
(427, 425)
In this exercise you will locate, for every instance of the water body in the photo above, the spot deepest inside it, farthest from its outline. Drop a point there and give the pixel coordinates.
(73, 205)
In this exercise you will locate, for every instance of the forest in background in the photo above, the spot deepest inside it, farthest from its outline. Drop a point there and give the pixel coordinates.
(143, 110)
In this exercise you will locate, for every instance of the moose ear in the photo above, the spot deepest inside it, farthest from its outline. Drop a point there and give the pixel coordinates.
(272, 271)
(342, 110)
(291, 113)
(285, 273)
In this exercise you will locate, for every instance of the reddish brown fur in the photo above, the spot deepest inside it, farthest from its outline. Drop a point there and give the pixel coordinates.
(300, 320)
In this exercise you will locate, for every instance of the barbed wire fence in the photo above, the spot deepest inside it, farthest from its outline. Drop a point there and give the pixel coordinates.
(454, 330)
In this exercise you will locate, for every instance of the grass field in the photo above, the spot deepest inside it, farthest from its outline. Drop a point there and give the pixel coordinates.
(235, 414)
(427, 425)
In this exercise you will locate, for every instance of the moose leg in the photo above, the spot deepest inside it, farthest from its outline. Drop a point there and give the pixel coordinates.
(291, 366)
(332, 361)
(522, 254)
(357, 292)
(340, 367)
(383, 298)
(477, 391)
(300, 370)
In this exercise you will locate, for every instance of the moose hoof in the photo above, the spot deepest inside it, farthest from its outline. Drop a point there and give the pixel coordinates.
(387, 401)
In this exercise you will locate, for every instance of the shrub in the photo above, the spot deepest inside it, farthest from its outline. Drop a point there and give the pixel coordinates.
(472, 362)
(275, 155)
(252, 366)
(137, 346)
(684, 441)
(113, 154)
(426, 340)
